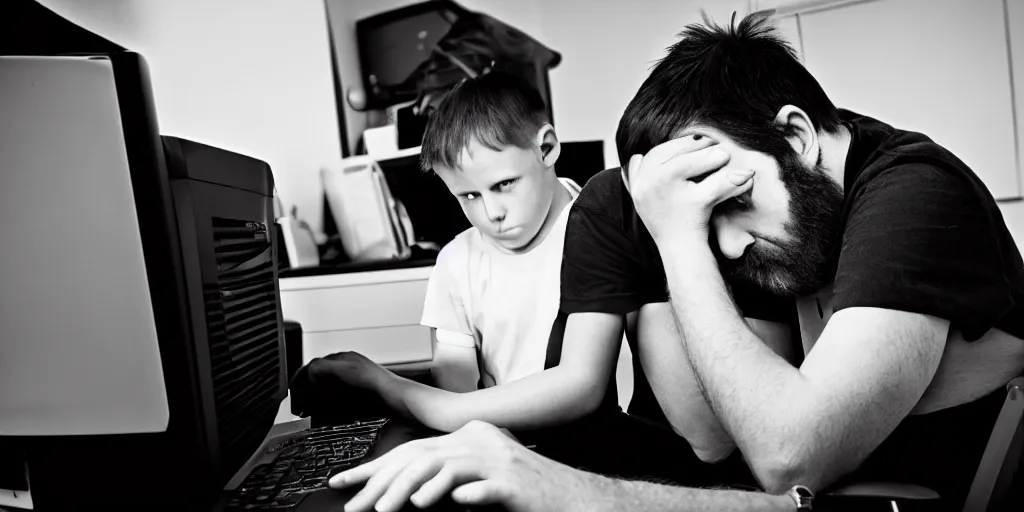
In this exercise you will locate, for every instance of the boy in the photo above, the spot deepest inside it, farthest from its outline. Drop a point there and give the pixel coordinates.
(494, 293)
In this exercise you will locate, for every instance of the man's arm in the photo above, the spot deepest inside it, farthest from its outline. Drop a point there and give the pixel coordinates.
(668, 370)
(813, 424)
(478, 465)
(554, 396)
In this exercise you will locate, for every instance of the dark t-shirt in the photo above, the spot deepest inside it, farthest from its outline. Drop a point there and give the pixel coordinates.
(921, 233)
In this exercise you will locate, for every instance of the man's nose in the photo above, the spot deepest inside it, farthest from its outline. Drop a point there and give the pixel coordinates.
(732, 240)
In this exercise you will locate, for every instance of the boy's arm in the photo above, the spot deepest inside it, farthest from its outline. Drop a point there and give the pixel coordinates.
(554, 396)
(455, 366)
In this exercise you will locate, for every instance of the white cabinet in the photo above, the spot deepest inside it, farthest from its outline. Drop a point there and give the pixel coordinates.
(940, 67)
(374, 313)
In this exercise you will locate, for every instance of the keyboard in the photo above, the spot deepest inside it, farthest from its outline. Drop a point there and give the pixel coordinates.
(303, 464)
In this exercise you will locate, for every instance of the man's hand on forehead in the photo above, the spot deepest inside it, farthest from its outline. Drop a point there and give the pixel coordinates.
(679, 146)
(670, 150)
(676, 184)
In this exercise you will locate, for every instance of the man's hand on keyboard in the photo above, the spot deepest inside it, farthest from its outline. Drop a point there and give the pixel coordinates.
(478, 464)
(352, 368)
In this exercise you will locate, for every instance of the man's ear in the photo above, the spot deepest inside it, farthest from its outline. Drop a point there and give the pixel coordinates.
(548, 143)
(799, 132)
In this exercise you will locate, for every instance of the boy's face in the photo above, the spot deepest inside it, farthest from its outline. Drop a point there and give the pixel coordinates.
(505, 194)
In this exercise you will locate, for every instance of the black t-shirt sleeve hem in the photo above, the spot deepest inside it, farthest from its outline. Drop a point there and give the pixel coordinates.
(614, 304)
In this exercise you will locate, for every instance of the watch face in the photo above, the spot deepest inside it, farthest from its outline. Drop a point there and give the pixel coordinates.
(802, 496)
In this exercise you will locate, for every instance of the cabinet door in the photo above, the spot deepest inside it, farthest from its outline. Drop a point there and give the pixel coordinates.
(1015, 19)
(940, 67)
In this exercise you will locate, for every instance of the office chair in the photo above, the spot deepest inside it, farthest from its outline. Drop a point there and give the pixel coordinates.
(994, 478)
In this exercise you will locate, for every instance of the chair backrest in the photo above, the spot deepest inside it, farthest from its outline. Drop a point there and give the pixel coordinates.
(1002, 455)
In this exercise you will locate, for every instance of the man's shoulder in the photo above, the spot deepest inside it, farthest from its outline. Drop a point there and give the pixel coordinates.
(603, 195)
(889, 155)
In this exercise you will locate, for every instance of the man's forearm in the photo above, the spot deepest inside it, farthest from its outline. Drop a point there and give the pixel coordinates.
(675, 386)
(622, 495)
(539, 400)
(749, 386)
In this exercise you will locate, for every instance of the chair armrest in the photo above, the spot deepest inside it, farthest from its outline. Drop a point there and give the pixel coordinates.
(884, 490)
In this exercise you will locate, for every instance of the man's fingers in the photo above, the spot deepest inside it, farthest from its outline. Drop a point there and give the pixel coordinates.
(697, 164)
(726, 184)
(679, 145)
(356, 475)
(482, 492)
(375, 487)
(407, 482)
(455, 472)
(365, 471)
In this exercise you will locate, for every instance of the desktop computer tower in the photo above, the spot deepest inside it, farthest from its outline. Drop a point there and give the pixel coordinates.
(142, 357)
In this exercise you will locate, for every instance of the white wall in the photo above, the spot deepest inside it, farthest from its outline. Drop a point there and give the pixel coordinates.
(251, 76)
(608, 49)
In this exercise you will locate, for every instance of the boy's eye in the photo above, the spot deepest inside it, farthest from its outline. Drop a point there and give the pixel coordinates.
(470, 195)
(507, 184)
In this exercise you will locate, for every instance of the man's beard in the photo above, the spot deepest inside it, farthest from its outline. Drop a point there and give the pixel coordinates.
(797, 266)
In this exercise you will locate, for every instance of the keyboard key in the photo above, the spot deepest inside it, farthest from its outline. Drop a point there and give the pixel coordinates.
(291, 479)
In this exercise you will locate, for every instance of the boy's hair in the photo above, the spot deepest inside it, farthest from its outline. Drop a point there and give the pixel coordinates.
(497, 109)
(733, 79)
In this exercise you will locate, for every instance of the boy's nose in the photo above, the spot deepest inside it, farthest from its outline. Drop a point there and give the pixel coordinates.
(494, 210)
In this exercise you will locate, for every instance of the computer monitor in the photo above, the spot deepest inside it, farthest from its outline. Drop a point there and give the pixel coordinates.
(141, 344)
(435, 214)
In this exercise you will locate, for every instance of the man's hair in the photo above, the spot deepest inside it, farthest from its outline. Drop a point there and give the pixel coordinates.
(732, 79)
(497, 109)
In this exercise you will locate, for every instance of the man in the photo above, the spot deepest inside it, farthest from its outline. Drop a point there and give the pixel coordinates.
(909, 294)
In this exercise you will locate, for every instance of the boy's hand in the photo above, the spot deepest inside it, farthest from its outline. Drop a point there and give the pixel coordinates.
(676, 184)
(352, 368)
(477, 464)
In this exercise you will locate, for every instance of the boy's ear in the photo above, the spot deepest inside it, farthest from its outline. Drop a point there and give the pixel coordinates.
(799, 132)
(548, 143)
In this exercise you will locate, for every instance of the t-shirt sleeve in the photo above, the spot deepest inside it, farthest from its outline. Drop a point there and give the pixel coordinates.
(921, 239)
(443, 306)
(601, 270)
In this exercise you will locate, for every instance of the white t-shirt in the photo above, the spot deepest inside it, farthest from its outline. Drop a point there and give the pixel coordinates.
(501, 304)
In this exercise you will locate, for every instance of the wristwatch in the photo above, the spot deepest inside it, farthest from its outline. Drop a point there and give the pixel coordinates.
(802, 496)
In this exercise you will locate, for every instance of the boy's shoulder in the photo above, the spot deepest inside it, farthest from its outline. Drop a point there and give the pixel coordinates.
(455, 254)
